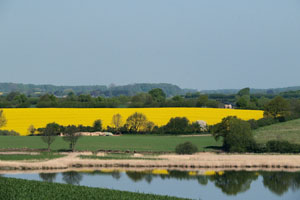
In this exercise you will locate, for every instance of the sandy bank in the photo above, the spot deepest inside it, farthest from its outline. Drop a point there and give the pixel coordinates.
(186, 162)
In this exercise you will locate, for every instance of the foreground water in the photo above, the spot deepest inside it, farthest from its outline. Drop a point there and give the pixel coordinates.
(195, 185)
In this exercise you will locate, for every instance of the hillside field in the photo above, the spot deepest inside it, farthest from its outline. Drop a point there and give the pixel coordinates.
(19, 119)
(289, 131)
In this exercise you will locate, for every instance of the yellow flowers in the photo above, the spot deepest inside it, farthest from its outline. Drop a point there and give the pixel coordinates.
(160, 171)
(212, 173)
(20, 119)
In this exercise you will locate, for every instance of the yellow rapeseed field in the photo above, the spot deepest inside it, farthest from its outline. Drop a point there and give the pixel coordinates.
(19, 119)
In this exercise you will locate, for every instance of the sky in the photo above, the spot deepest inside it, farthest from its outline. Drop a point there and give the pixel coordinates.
(200, 44)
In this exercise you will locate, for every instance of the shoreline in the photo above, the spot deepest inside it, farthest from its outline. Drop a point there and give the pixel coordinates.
(199, 161)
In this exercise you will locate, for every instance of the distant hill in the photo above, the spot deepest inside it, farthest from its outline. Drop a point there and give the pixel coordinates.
(95, 90)
(253, 90)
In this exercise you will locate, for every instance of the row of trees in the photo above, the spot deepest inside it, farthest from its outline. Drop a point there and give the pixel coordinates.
(154, 98)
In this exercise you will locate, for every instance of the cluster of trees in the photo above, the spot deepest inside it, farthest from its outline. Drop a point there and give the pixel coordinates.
(52, 130)
(94, 90)
(237, 134)
(154, 98)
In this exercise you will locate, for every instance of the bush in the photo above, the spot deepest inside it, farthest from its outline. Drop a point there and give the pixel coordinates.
(186, 148)
(282, 147)
(266, 121)
(9, 133)
(253, 124)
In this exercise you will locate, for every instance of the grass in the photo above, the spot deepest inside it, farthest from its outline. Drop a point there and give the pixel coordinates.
(117, 157)
(18, 189)
(289, 131)
(122, 143)
(42, 156)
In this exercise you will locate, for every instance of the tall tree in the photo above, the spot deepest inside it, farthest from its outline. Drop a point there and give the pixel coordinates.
(3, 120)
(71, 134)
(97, 126)
(117, 121)
(50, 133)
(136, 122)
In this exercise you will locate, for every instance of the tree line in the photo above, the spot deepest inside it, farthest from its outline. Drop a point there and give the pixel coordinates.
(154, 98)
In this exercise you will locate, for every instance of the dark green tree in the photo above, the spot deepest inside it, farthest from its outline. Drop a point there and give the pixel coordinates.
(202, 101)
(158, 95)
(177, 125)
(236, 134)
(277, 107)
(244, 91)
(97, 126)
(71, 135)
(50, 133)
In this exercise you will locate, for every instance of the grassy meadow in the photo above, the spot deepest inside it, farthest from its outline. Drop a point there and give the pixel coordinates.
(289, 131)
(20, 119)
(41, 156)
(122, 143)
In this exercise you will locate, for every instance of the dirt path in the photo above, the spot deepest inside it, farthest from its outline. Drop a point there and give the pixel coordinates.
(171, 161)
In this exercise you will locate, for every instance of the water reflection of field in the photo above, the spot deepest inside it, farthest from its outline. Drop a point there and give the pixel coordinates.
(229, 182)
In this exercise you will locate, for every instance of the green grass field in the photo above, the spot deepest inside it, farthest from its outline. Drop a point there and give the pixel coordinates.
(289, 131)
(42, 156)
(18, 189)
(122, 143)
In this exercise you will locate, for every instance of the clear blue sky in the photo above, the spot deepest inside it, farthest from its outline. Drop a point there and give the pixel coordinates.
(202, 44)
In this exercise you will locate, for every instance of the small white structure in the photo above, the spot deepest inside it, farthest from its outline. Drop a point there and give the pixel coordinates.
(202, 124)
(93, 134)
(228, 106)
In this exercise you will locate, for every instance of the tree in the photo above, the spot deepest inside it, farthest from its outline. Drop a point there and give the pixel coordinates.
(31, 130)
(202, 101)
(71, 135)
(97, 125)
(50, 133)
(3, 120)
(158, 95)
(117, 121)
(47, 100)
(177, 125)
(244, 91)
(136, 122)
(277, 107)
(242, 102)
(236, 134)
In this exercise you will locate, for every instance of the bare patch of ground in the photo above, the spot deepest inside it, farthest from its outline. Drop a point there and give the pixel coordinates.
(171, 161)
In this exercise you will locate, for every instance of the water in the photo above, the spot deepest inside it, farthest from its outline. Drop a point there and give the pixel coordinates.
(195, 185)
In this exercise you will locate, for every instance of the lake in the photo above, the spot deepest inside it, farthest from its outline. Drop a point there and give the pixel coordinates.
(189, 184)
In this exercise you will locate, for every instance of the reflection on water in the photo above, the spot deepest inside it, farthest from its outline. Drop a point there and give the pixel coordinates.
(72, 177)
(229, 183)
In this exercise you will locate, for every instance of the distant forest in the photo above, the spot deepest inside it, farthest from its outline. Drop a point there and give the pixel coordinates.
(94, 90)
(132, 96)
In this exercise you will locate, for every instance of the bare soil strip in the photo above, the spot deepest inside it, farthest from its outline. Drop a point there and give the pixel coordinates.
(199, 161)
